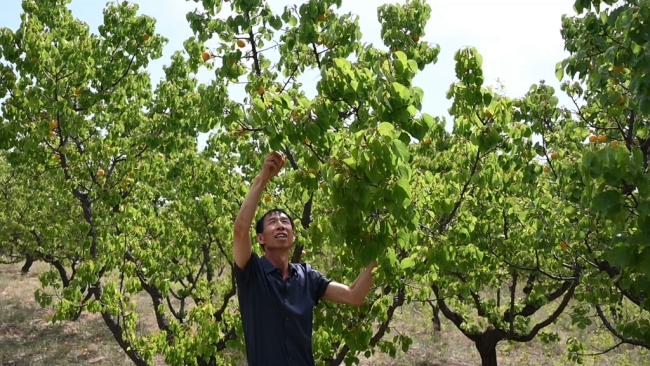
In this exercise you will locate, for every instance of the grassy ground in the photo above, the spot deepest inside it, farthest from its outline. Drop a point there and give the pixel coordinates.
(27, 338)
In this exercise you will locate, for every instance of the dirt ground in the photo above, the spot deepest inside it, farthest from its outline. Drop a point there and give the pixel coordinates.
(27, 338)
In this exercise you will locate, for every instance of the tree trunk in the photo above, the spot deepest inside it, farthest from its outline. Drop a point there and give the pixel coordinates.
(487, 349)
(297, 254)
(29, 260)
(436, 318)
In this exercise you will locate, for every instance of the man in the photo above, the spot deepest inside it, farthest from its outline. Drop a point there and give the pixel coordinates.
(276, 298)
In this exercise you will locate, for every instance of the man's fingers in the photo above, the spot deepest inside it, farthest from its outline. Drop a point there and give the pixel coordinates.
(276, 157)
(275, 161)
(278, 154)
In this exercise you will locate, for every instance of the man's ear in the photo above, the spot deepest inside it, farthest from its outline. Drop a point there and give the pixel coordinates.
(260, 239)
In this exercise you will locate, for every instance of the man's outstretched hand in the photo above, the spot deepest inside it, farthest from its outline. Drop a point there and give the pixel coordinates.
(273, 163)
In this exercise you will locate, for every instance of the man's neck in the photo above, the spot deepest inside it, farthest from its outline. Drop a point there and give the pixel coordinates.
(280, 259)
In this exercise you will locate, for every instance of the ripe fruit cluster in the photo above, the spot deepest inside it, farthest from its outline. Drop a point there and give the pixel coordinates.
(597, 139)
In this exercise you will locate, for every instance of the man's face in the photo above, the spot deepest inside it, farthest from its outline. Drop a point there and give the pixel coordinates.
(277, 233)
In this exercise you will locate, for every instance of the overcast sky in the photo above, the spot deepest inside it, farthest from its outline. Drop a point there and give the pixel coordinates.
(519, 39)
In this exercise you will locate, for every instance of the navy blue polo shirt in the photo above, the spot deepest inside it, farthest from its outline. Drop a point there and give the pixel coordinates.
(278, 313)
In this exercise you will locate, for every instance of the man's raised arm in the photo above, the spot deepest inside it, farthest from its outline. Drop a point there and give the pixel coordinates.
(242, 247)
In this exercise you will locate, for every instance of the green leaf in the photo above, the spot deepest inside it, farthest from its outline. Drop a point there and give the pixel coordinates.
(619, 256)
(385, 129)
(607, 199)
(559, 71)
(403, 184)
(401, 92)
(400, 150)
(407, 263)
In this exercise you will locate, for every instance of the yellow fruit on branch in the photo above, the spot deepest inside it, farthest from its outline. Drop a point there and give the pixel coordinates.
(426, 142)
(614, 143)
(100, 172)
(312, 170)
(146, 37)
(267, 199)
(593, 138)
(601, 139)
(205, 56)
(77, 92)
(241, 43)
(321, 184)
(415, 38)
(261, 90)
(53, 125)
(618, 68)
(57, 157)
(555, 155)
(546, 169)
(564, 245)
(321, 17)
(303, 254)
(620, 101)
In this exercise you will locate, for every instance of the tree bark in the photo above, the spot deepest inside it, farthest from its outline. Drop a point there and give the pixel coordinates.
(486, 345)
(29, 261)
(437, 326)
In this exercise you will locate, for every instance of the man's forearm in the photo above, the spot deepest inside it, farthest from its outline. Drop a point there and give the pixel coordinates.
(249, 206)
(362, 284)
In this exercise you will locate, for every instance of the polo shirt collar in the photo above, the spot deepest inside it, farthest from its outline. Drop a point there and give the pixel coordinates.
(270, 267)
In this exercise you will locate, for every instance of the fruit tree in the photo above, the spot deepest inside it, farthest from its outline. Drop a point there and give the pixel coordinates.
(133, 206)
(609, 86)
(519, 208)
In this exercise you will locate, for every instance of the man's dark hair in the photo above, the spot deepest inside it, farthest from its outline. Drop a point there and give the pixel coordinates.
(259, 225)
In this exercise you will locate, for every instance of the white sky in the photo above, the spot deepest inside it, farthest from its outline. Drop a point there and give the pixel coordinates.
(519, 39)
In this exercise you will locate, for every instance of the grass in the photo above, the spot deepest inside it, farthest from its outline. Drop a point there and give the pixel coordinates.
(27, 338)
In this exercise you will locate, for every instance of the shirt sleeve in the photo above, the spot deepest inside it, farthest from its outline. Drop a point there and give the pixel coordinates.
(318, 284)
(243, 277)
